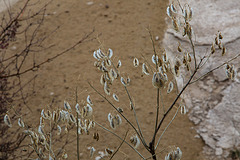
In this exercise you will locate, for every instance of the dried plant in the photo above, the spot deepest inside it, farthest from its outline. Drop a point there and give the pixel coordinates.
(17, 60)
(164, 71)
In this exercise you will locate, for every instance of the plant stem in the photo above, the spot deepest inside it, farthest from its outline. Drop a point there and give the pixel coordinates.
(78, 155)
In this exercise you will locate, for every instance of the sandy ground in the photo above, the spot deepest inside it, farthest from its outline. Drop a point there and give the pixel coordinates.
(122, 25)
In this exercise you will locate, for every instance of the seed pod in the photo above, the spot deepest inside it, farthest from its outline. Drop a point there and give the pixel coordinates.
(87, 111)
(120, 110)
(108, 62)
(190, 31)
(102, 79)
(109, 117)
(72, 118)
(123, 81)
(224, 51)
(190, 13)
(41, 153)
(59, 130)
(100, 53)
(167, 157)
(165, 57)
(135, 62)
(96, 136)
(170, 87)
(89, 101)
(188, 57)
(173, 9)
(128, 81)
(175, 24)
(119, 119)
(77, 107)
(145, 69)
(20, 123)
(110, 53)
(108, 151)
(93, 124)
(131, 106)
(96, 56)
(115, 97)
(157, 80)
(112, 74)
(216, 41)
(178, 154)
(178, 63)
(7, 120)
(92, 150)
(135, 141)
(220, 45)
(212, 48)
(67, 105)
(179, 47)
(64, 155)
(183, 109)
(43, 114)
(184, 31)
(176, 71)
(169, 12)
(80, 130)
(106, 89)
(220, 36)
(40, 130)
(154, 59)
(119, 64)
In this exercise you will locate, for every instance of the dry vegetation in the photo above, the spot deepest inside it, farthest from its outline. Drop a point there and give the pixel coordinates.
(49, 138)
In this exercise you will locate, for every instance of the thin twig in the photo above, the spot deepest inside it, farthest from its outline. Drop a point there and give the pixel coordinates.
(120, 138)
(116, 110)
(167, 127)
(49, 59)
(204, 75)
(119, 146)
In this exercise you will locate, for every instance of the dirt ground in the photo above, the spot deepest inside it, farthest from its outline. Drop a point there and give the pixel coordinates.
(121, 26)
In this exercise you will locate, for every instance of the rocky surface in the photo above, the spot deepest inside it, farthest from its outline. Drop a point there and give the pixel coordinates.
(6, 4)
(213, 102)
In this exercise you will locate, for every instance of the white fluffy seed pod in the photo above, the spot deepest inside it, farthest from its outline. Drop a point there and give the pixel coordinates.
(119, 64)
(145, 69)
(106, 89)
(77, 107)
(115, 97)
(67, 105)
(135, 62)
(158, 80)
(72, 118)
(20, 123)
(96, 56)
(173, 9)
(178, 154)
(40, 130)
(92, 150)
(43, 114)
(154, 59)
(169, 12)
(59, 130)
(87, 111)
(123, 81)
(170, 87)
(110, 53)
(135, 141)
(89, 101)
(7, 120)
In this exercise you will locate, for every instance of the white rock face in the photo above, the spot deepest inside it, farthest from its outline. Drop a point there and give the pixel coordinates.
(4, 4)
(214, 102)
